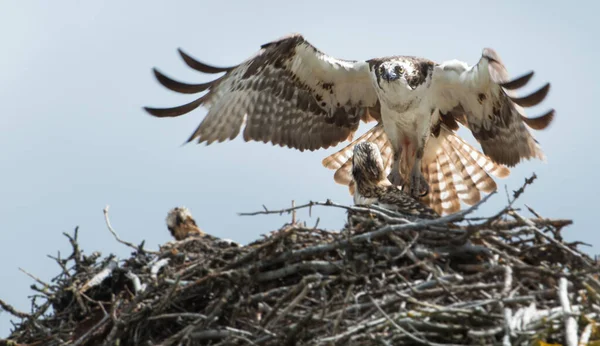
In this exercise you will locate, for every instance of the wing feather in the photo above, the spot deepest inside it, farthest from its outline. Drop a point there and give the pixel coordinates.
(200, 66)
(518, 82)
(176, 111)
(289, 94)
(177, 86)
(482, 97)
(534, 98)
(541, 122)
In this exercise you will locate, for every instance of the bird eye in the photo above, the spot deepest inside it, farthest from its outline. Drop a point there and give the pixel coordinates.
(398, 69)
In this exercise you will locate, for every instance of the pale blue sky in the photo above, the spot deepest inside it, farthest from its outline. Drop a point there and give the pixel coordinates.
(74, 76)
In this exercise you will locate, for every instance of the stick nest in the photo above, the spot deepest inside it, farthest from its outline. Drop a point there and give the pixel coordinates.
(382, 280)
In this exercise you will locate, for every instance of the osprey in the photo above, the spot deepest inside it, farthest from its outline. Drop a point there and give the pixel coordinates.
(292, 94)
(373, 187)
(181, 224)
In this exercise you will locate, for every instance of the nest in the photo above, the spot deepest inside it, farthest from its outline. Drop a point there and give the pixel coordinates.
(382, 280)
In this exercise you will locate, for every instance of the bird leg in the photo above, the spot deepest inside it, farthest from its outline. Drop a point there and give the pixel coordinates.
(395, 177)
(418, 185)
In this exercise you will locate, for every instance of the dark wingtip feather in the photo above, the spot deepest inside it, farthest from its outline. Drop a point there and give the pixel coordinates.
(192, 137)
(517, 82)
(175, 111)
(160, 112)
(153, 111)
(177, 86)
(200, 66)
(534, 98)
(541, 122)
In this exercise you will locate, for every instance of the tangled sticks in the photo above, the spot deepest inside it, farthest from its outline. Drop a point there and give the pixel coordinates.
(382, 280)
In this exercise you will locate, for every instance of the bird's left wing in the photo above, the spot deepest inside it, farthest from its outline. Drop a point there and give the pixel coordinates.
(289, 93)
(482, 97)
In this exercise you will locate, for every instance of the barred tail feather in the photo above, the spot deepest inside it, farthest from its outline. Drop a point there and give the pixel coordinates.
(481, 160)
(445, 198)
(465, 187)
(465, 173)
(435, 190)
(476, 164)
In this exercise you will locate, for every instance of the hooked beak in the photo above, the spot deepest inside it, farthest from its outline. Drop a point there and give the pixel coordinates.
(389, 75)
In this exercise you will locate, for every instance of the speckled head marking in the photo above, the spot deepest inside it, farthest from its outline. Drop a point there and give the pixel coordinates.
(367, 164)
(407, 70)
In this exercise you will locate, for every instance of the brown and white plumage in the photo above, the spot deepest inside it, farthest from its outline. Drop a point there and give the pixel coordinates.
(181, 224)
(291, 94)
(288, 94)
(373, 187)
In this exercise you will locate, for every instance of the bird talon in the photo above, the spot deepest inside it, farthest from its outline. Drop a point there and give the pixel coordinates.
(425, 191)
(418, 187)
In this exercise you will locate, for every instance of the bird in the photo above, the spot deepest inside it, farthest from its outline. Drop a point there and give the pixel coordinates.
(294, 95)
(181, 224)
(373, 186)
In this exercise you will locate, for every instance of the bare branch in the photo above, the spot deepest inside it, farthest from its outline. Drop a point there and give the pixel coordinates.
(117, 238)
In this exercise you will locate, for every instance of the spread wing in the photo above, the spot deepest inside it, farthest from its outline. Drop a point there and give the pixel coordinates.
(289, 93)
(483, 98)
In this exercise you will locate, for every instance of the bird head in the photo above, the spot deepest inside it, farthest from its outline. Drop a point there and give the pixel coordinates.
(367, 164)
(399, 74)
(181, 223)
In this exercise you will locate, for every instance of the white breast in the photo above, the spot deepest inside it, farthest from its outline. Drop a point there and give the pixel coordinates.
(410, 124)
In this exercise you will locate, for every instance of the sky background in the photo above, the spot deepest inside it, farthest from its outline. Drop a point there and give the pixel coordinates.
(74, 76)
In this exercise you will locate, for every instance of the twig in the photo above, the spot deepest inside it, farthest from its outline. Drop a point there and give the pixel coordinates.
(98, 278)
(138, 287)
(117, 238)
(404, 331)
(570, 322)
(341, 313)
(516, 195)
(158, 265)
(76, 255)
(294, 302)
(84, 338)
(550, 239)
(386, 214)
(38, 280)
(11, 310)
(586, 334)
(178, 315)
